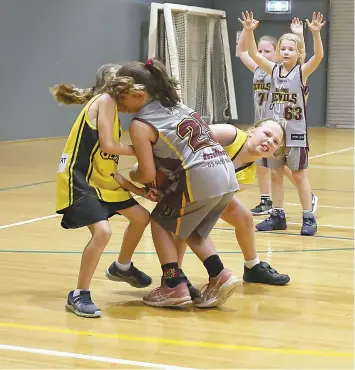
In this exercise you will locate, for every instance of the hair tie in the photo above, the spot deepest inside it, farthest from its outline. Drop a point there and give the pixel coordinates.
(149, 64)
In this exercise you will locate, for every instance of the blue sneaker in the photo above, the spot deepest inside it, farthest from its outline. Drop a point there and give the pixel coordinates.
(82, 304)
(276, 221)
(132, 276)
(309, 227)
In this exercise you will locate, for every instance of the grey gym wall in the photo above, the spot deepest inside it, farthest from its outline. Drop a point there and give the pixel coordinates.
(44, 42)
(340, 102)
(275, 26)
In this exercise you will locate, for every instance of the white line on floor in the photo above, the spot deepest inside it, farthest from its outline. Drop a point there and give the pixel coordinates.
(319, 225)
(110, 360)
(28, 221)
(320, 206)
(329, 153)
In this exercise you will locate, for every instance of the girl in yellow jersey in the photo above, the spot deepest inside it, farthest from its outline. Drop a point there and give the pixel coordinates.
(87, 193)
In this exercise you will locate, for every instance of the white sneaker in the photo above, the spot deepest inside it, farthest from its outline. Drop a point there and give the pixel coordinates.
(314, 203)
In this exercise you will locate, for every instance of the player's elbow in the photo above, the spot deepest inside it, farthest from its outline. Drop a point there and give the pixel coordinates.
(105, 146)
(145, 176)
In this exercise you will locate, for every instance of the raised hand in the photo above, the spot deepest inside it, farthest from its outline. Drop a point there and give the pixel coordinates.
(248, 21)
(316, 24)
(297, 26)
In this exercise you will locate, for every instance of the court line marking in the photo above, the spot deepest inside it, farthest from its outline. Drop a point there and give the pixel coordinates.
(27, 185)
(321, 206)
(329, 153)
(176, 342)
(80, 356)
(28, 221)
(319, 225)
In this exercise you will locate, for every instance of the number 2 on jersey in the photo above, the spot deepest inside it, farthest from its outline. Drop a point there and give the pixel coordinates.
(199, 134)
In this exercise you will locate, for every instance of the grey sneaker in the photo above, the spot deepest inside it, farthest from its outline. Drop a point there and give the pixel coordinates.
(82, 304)
(309, 227)
(132, 276)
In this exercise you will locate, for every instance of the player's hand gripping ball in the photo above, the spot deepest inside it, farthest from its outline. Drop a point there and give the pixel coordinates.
(160, 180)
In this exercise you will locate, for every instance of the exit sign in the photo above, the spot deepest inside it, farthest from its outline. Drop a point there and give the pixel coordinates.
(278, 6)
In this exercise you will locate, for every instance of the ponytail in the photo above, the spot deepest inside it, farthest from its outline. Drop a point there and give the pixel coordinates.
(70, 94)
(166, 90)
(153, 75)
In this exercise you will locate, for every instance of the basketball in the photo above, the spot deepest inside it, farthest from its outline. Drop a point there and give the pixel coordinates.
(160, 178)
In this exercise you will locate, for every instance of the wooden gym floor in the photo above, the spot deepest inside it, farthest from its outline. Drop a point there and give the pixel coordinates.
(308, 324)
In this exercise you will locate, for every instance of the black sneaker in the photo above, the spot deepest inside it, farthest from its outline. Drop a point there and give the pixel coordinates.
(262, 208)
(194, 292)
(276, 221)
(314, 203)
(309, 226)
(82, 304)
(263, 273)
(132, 276)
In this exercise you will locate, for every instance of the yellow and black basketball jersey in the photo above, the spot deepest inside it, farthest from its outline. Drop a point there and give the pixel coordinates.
(247, 172)
(86, 170)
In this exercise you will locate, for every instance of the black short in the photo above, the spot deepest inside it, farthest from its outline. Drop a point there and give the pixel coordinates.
(89, 210)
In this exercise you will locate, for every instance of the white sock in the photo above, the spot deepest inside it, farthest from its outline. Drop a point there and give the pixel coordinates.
(123, 266)
(250, 264)
(77, 292)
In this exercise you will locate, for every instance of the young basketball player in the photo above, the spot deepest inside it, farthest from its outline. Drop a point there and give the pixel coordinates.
(87, 193)
(170, 136)
(261, 88)
(287, 103)
(244, 148)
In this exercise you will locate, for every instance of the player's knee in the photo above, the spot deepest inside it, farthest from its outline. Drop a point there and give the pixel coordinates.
(102, 234)
(242, 215)
(141, 217)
